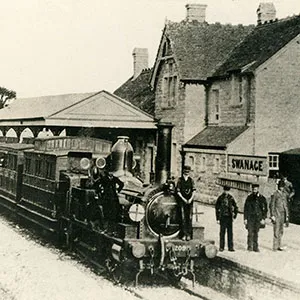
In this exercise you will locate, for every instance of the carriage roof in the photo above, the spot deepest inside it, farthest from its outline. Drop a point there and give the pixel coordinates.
(15, 147)
(72, 144)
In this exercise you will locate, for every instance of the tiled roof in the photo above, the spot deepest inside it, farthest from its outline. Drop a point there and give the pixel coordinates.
(261, 44)
(215, 137)
(295, 151)
(138, 92)
(200, 47)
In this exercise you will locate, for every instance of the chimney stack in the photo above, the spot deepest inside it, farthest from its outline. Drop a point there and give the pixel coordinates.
(266, 12)
(196, 12)
(140, 61)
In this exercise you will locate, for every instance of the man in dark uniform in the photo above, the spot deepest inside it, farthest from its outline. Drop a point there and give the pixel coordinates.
(287, 187)
(255, 213)
(110, 200)
(185, 190)
(226, 211)
(289, 191)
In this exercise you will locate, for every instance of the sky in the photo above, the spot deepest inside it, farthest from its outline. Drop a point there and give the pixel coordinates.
(51, 47)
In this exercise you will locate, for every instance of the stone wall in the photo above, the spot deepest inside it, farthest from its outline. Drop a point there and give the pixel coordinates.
(233, 110)
(187, 114)
(277, 123)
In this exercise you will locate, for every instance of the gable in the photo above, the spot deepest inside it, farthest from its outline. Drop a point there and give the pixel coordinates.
(104, 110)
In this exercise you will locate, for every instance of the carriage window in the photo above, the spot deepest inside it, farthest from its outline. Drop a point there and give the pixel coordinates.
(12, 162)
(38, 165)
(50, 170)
(28, 165)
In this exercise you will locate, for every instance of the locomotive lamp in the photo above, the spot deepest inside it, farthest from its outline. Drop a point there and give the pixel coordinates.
(85, 163)
(100, 162)
(138, 250)
(136, 212)
(210, 250)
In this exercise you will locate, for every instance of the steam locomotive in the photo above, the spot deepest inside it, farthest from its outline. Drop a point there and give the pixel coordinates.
(51, 184)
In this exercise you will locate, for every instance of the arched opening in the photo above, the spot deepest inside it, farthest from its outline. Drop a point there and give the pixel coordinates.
(45, 133)
(26, 133)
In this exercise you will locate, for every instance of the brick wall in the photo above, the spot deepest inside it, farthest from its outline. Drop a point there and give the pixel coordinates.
(277, 123)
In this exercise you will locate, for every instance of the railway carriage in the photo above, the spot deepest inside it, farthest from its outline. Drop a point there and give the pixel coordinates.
(43, 191)
(11, 172)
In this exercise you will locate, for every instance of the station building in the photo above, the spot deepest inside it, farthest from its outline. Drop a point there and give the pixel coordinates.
(233, 93)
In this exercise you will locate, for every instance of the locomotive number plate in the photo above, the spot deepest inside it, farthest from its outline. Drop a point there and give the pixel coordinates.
(180, 248)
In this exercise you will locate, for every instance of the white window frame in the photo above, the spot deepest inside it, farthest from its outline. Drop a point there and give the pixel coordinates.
(273, 161)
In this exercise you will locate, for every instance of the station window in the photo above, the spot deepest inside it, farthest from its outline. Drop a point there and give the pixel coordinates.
(273, 162)
(216, 105)
(273, 165)
(202, 163)
(170, 86)
(216, 167)
(191, 161)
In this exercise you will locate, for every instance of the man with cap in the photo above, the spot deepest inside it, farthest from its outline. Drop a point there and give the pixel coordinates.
(255, 213)
(279, 214)
(226, 211)
(185, 190)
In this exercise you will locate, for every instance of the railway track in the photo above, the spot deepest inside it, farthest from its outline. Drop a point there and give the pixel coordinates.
(182, 291)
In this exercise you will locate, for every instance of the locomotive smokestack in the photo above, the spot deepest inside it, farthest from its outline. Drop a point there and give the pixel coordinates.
(163, 155)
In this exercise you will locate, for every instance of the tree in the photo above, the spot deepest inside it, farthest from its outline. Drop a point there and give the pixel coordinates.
(5, 95)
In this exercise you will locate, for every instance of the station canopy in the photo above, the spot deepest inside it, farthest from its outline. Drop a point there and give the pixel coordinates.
(100, 109)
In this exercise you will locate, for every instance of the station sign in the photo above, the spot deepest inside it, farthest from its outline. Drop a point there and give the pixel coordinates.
(253, 165)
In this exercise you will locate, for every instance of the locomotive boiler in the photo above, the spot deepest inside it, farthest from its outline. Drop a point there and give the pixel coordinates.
(61, 189)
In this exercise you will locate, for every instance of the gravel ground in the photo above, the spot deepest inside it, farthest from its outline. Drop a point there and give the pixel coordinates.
(30, 271)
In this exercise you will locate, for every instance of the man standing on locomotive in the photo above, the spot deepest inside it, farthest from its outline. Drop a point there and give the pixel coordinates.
(110, 200)
(226, 211)
(185, 190)
(255, 213)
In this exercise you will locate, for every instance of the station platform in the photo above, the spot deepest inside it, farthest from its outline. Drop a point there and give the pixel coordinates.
(279, 266)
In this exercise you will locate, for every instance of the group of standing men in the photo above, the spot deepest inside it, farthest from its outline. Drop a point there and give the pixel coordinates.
(255, 214)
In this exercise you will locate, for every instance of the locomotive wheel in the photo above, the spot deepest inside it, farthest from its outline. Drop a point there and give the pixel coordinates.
(173, 277)
(115, 270)
(117, 274)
